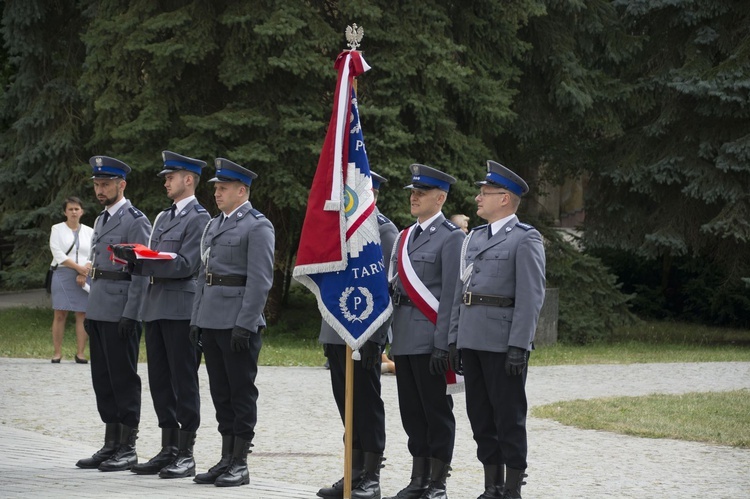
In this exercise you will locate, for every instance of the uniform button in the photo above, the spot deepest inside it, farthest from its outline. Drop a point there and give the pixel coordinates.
(480, 258)
(476, 271)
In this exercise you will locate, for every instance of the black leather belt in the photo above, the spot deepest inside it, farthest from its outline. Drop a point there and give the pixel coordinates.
(225, 280)
(490, 300)
(108, 274)
(162, 280)
(402, 300)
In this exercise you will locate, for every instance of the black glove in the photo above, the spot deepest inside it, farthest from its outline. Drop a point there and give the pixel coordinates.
(370, 353)
(124, 252)
(325, 349)
(454, 358)
(195, 337)
(438, 362)
(86, 326)
(240, 339)
(127, 327)
(515, 361)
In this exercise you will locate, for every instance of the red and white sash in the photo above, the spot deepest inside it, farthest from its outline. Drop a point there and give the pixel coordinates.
(418, 293)
(423, 300)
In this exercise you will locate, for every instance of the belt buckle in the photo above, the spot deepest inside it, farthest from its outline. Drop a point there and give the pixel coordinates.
(396, 298)
(93, 273)
(151, 279)
(209, 279)
(467, 298)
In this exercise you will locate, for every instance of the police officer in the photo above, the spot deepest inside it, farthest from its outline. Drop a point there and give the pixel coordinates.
(113, 318)
(233, 284)
(424, 270)
(368, 438)
(172, 359)
(496, 308)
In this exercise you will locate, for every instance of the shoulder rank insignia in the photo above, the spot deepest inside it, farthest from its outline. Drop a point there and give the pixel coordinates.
(135, 212)
(382, 219)
(200, 209)
(451, 226)
(524, 226)
(256, 213)
(478, 227)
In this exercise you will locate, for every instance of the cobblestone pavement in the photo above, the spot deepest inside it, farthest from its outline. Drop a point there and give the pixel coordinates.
(48, 420)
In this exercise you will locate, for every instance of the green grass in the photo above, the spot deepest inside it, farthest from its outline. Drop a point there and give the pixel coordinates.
(719, 418)
(25, 332)
(653, 342)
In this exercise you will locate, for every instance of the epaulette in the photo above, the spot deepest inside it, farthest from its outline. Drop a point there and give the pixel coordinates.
(135, 212)
(256, 213)
(524, 226)
(478, 227)
(382, 219)
(200, 209)
(451, 226)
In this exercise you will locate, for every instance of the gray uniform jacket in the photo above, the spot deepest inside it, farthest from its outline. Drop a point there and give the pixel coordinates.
(242, 246)
(388, 233)
(511, 264)
(111, 300)
(435, 256)
(172, 293)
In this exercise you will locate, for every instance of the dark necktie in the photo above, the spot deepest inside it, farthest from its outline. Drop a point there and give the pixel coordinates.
(221, 222)
(105, 218)
(489, 232)
(417, 232)
(172, 211)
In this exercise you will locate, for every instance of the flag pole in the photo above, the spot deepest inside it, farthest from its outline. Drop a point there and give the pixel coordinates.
(353, 37)
(348, 422)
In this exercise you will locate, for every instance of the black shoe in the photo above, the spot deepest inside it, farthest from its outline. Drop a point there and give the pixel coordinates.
(183, 465)
(79, 360)
(111, 442)
(56, 361)
(125, 457)
(227, 449)
(236, 474)
(166, 455)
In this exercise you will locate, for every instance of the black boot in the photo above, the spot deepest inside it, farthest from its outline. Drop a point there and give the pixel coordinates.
(165, 456)
(236, 473)
(420, 480)
(125, 457)
(513, 483)
(209, 477)
(111, 441)
(494, 481)
(438, 477)
(336, 491)
(183, 465)
(369, 486)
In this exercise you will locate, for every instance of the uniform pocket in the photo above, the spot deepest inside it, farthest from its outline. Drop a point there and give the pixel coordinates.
(495, 261)
(424, 265)
(170, 242)
(500, 320)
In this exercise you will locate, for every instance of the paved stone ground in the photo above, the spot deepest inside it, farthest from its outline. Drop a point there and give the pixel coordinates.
(48, 420)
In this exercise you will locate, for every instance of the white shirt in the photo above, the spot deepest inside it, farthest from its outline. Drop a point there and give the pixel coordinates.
(60, 239)
(182, 203)
(496, 226)
(426, 224)
(112, 210)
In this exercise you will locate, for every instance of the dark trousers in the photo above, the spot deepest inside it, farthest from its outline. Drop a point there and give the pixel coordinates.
(173, 374)
(496, 406)
(426, 411)
(231, 378)
(114, 373)
(368, 432)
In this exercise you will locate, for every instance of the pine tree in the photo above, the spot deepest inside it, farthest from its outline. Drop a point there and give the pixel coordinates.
(40, 152)
(675, 184)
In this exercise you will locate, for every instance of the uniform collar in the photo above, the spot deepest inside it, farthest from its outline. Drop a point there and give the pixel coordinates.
(116, 207)
(182, 204)
(496, 226)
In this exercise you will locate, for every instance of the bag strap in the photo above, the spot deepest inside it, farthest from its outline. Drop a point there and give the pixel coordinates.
(75, 240)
